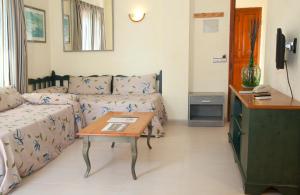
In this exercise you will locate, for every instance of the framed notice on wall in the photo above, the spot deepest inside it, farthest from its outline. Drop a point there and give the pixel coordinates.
(211, 26)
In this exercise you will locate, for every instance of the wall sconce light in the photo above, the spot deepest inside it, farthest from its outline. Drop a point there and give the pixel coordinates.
(137, 15)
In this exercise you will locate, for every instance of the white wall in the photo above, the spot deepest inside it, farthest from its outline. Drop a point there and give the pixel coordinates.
(284, 14)
(39, 62)
(161, 41)
(175, 56)
(264, 5)
(204, 75)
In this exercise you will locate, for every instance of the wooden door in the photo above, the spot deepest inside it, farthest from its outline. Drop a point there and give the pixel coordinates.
(243, 18)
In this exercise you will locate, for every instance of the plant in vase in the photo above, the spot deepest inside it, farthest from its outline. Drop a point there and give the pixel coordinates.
(251, 74)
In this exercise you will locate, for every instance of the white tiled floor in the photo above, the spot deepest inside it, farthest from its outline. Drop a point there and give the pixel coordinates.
(188, 161)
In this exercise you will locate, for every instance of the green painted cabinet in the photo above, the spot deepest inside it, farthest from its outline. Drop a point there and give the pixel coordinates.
(266, 144)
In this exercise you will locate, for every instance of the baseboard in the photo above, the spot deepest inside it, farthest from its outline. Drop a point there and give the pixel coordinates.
(178, 122)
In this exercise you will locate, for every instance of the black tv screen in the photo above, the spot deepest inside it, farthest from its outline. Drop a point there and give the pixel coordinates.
(280, 49)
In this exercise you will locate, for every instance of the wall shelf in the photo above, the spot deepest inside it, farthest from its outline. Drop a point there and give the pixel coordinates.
(209, 15)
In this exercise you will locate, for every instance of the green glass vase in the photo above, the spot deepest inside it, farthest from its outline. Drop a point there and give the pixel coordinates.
(251, 75)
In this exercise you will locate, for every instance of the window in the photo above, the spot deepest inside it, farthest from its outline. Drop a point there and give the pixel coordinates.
(13, 55)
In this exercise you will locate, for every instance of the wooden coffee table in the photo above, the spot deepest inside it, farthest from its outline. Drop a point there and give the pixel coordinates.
(130, 135)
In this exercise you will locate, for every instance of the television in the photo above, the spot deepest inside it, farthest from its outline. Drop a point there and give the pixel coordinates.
(280, 49)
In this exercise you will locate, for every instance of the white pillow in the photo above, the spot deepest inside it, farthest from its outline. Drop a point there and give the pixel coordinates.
(90, 85)
(145, 84)
(50, 98)
(10, 98)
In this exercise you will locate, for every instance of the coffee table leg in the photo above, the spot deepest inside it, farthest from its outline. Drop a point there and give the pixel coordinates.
(149, 135)
(85, 153)
(113, 145)
(134, 154)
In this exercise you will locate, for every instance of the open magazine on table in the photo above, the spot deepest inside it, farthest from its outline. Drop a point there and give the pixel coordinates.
(119, 124)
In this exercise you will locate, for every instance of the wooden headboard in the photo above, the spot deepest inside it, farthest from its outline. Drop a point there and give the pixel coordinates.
(48, 81)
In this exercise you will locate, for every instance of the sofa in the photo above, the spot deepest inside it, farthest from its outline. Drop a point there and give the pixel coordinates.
(101, 94)
(34, 129)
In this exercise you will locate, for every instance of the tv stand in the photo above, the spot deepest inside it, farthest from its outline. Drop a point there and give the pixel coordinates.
(265, 138)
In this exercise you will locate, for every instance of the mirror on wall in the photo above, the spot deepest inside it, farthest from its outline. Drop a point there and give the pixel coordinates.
(87, 25)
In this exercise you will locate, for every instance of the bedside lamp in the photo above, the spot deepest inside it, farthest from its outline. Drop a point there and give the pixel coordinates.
(137, 15)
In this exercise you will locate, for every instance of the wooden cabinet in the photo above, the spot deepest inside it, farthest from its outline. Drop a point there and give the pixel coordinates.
(265, 137)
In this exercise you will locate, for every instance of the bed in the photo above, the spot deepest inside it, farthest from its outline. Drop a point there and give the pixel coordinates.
(33, 134)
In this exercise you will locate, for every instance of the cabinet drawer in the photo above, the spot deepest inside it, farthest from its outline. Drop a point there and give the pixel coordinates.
(206, 100)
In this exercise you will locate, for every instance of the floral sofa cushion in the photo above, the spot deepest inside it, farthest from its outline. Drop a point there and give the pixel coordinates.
(53, 89)
(90, 85)
(134, 85)
(9, 98)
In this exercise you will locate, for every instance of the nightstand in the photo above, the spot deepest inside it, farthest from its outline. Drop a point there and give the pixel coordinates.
(206, 109)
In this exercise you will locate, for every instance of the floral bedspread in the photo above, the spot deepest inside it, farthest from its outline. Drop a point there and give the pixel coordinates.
(95, 106)
(58, 99)
(31, 135)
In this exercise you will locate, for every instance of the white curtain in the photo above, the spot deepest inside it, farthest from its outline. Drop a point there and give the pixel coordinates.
(13, 55)
(87, 26)
(97, 23)
(92, 20)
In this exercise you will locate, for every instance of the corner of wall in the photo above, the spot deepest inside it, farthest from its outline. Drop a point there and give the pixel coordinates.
(39, 63)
